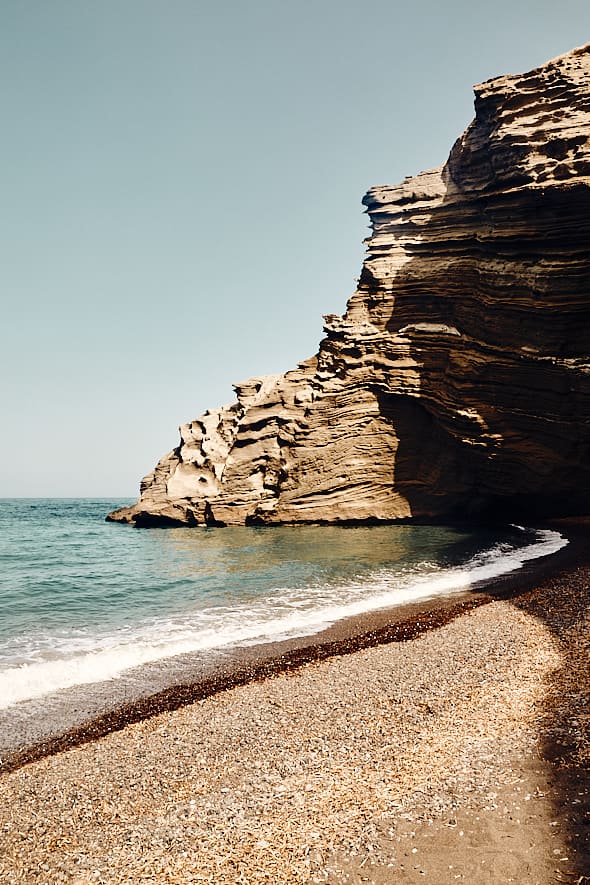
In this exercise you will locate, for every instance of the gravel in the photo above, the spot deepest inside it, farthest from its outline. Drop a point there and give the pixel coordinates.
(323, 775)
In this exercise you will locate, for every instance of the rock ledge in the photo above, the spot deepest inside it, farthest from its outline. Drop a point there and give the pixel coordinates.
(457, 383)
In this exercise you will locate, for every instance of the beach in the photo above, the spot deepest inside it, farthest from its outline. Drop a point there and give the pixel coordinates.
(460, 754)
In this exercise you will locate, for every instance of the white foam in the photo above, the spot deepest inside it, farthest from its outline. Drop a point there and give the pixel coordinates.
(285, 613)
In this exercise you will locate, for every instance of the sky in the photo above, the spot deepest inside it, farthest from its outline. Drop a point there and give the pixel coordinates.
(181, 187)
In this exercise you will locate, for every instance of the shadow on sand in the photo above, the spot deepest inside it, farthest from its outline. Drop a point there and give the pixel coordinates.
(563, 606)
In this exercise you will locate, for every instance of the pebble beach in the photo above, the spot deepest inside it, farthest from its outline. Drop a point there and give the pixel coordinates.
(461, 754)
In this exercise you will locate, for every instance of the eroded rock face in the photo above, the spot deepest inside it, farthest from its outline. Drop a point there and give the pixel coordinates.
(457, 384)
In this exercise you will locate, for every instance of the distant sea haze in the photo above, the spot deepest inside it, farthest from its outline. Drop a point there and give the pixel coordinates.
(84, 601)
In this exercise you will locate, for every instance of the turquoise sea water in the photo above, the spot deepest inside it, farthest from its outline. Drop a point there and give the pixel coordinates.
(82, 600)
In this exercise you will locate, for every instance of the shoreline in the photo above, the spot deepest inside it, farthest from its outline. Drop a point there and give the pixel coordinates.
(99, 709)
(461, 755)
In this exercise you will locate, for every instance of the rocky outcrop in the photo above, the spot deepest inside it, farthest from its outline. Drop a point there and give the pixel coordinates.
(457, 383)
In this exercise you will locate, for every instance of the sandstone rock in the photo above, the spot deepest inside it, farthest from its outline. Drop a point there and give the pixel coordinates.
(457, 383)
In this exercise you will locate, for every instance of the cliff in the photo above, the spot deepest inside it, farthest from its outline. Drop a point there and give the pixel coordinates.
(457, 383)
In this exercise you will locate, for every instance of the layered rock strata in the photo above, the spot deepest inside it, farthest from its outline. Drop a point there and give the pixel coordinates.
(457, 383)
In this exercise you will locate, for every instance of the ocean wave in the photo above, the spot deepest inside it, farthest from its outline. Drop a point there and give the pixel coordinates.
(53, 663)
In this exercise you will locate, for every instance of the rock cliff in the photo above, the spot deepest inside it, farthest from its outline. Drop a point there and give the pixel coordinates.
(457, 383)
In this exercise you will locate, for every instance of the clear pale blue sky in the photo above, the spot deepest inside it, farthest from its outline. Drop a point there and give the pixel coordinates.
(181, 185)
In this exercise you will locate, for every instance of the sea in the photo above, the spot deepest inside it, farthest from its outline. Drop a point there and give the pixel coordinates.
(84, 601)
